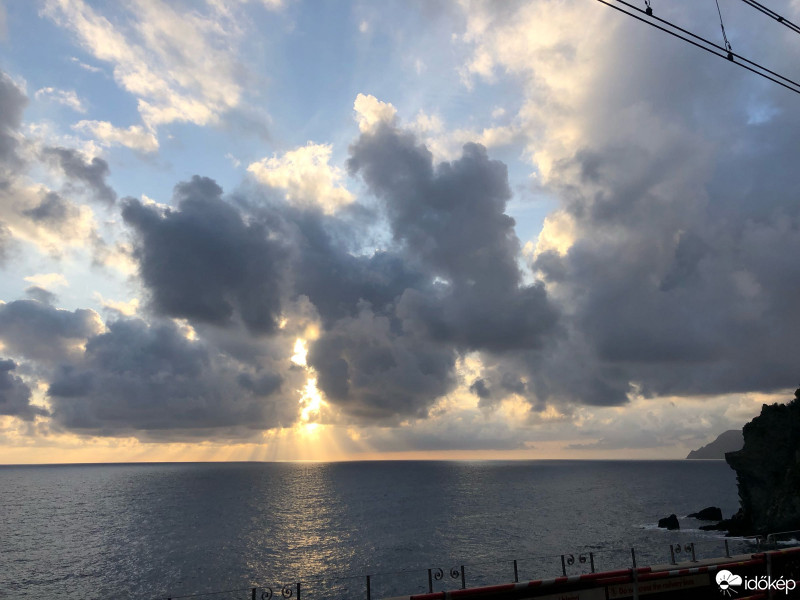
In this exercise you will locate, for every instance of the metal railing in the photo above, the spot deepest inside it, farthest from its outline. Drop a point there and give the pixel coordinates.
(381, 584)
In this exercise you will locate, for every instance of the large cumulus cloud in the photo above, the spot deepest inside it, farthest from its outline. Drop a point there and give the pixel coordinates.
(393, 321)
(203, 262)
(450, 220)
(677, 277)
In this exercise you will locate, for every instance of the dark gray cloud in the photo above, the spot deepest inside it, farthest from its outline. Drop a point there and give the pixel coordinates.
(15, 395)
(394, 320)
(153, 382)
(450, 222)
(83, 173)
(450, 283)
(373, 371)
(37, 331)
(682, 280)
(204, 263)
(334, 277)
(52, 211)
(41, 295)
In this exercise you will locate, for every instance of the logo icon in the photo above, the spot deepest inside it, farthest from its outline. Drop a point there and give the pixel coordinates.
(726, 581)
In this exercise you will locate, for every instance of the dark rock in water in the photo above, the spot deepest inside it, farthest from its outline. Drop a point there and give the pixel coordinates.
(670, 522)
(727, 441)
(712, 513)
(736, 525)
(768, 471)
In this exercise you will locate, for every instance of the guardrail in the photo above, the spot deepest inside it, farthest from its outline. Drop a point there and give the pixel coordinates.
(381, 584)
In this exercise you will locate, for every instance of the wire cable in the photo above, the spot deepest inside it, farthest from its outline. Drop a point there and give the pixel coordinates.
(724, 35)
(704, 44)
(729, 54)
(773, 15)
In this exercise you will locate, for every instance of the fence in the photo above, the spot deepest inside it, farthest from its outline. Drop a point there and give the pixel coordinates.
(475, 574)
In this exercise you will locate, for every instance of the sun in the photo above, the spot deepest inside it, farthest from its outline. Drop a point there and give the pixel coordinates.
(311, 402)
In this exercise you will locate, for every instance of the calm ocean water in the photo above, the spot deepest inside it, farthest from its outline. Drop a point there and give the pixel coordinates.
(157, 530)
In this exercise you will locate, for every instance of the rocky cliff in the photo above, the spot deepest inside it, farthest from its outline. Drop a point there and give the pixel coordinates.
(728, 441)
(768, 471)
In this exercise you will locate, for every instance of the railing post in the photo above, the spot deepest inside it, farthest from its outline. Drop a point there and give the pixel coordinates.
(694, 559)
(727, 550)
(369, 589)
(463, 579)
(255, 590)
(633, 557)
(430, 582)
(563, 566)
(591, 560)
(516, 573)
(672, 555)
(298, 590)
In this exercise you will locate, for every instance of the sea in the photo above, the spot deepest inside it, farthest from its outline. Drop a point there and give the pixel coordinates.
(218, 530)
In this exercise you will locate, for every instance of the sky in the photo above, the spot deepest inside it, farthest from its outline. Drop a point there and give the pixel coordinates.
(295, 230)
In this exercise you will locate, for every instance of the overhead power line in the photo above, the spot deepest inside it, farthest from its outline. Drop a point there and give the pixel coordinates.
(772, 14)
(698, 41)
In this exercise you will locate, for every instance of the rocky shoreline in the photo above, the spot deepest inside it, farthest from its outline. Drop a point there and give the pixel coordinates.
(767, 474)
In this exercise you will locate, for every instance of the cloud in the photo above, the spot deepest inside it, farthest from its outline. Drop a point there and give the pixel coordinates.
(83, 65)
(41, 295)
(668, 252)
(78, 169)
(450, 220)
(46, 280)
(36, 331)
(203, 262)
(31, 212)
(6, 242)
(12, 103)
(15, 395)
(371, 112)
(121, 308)
(306, 177)
(176, 63)
(375, 374)
(134, 137)
(151, 381)
(66, 97)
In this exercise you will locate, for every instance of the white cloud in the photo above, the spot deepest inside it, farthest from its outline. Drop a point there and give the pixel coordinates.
(234, 161)
(127, 309)
(180, 65)
(48, 280)
(36, 215)
(306, 177)
(556, 62)
(66, 97)
(370, 112)
(447, 145)
(87, 67)
(557, 235)
(134, 137)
